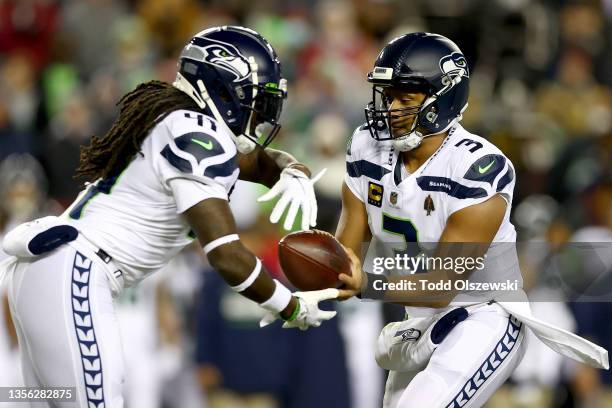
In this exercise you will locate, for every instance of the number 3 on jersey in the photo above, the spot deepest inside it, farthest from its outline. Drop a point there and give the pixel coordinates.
(406, 229)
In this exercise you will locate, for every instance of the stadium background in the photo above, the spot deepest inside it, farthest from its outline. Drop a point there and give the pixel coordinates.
(540, 89)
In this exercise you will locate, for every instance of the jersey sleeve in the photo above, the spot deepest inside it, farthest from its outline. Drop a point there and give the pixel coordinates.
(194, 159)
(353, 176)
(479, 178)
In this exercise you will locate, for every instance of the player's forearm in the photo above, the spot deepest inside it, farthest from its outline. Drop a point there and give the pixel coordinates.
(215, 227)
(236, 265)
(353, 230)
(282, 160)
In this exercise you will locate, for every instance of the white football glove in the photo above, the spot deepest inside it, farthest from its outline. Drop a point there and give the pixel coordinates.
(296, 188)
(309, 314)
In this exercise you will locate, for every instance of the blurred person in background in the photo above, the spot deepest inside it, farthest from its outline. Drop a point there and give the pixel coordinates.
(19, 101)
(542, 378)
(327, 143)
(591, 275)
(27, 27)
(155, 340)
(87, 26)
(23, 188)
(69, 130)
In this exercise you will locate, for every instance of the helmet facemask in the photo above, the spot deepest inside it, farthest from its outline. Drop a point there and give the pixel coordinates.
(263, 115)
(379, 116)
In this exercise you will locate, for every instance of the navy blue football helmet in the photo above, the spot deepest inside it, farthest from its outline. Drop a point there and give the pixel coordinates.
(418, 62)
(235, 73)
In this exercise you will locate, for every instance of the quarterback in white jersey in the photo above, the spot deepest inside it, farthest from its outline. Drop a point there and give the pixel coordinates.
(160, 177)
(416, 177)
(406, 212)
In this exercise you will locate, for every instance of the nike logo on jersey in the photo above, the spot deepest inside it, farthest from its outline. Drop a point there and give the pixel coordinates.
(208, 145)
(483, 170)
(486, 168)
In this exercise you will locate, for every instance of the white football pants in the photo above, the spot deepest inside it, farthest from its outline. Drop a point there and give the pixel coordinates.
(68, 334)
(475, 359)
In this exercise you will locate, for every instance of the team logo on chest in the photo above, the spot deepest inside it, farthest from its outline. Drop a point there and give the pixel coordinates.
(375, 194)
(428, 205)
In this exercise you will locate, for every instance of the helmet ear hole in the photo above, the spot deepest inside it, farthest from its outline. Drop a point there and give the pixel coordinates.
(222, 92)
(431, 115)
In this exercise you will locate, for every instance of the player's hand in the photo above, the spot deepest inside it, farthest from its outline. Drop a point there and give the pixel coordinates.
(352, 284)
(308, 314)
(296, 189)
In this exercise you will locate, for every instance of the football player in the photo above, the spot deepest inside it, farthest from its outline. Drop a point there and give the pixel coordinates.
(416, 176)
(160, 177)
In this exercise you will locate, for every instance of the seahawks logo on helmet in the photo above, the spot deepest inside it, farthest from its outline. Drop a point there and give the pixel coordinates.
(453, 66)
(221, 55)
(227, 57)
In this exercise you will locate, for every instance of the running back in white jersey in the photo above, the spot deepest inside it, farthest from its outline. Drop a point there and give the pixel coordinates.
(136, 216)
(402, 208)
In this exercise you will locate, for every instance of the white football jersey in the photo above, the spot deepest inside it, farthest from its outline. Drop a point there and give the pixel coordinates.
(136, 216)
(413, 208)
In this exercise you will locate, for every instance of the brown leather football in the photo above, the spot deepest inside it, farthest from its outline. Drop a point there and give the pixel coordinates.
(312, 260)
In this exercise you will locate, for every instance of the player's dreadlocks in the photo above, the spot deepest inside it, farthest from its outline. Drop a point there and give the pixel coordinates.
(140, 110)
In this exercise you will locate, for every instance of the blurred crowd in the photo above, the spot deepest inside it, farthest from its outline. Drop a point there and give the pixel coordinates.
(541, 89)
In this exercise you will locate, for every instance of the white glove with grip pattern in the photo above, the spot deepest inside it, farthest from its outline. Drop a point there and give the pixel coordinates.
(297, 189)
(309, 314)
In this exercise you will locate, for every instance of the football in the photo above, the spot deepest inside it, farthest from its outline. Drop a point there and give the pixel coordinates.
(312, 260)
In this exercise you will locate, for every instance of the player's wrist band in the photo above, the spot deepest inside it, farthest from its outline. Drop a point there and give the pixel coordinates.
(251, 278)
(279, 299)
(368, 291)
(295, 312)
(215, 243)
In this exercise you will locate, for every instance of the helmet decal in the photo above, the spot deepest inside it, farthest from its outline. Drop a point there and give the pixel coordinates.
(453, 66)
(222, 55)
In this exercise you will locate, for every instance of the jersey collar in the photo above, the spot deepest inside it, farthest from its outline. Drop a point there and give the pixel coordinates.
(400, 172)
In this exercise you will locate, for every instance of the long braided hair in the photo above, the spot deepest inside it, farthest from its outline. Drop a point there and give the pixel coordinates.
(140, 110)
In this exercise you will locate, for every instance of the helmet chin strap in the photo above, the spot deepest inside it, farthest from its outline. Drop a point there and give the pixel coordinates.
(414, 139)
(408, 142)
(243, 144)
